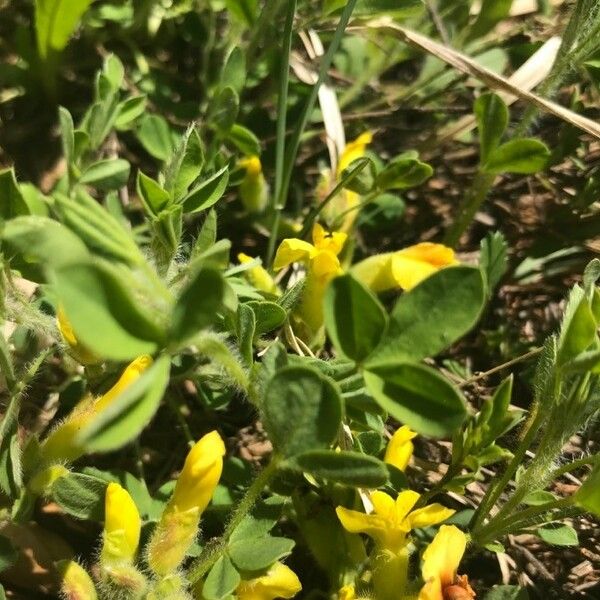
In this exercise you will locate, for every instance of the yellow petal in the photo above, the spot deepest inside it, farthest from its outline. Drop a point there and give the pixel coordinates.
(78, 350)
(75, 582)
(429, 515)
(347, 592)
(130, 374)
(251, 164)
(400, 448)
(325, 264)
(376, 272)
(200, 474)
(279, 582)
(333, 242)
(357, 522)
(413, 264)
(441, 559)
(292, 250)
(404, 504)
(258, 276)
(353, 150)
(121, 522)
(383, 504)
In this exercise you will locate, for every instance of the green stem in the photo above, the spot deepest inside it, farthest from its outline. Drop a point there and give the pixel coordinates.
(496, 489)
(497, 528)
(212, 552)
(469, 206)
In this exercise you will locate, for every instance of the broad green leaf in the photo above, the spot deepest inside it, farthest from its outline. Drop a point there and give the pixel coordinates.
(354, 318)
(156, 136)
(12, 203)
(55, 22)
(233, 73)
(224, 109)
(524, 156)
(244, 140)
(269, 316)
(417, 396)
(106, 175)
(402, 173)
(154, 197)
(578, 329)
(349, 468)
(588, 495)
(198, 304)
(492, 118)
(207, 193)
(261, 519)
(559, 535)
(125, 418)
(259, 553)
(491, 12)
(302, 410)
(222, 580)
(207, 236)
(432, 316)
(105, 316)
(80, 495)
(363, 180)
(128, 111)
(538, 498)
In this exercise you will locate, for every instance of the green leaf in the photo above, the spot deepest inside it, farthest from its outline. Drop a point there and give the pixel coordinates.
(208, 192)
(538, 498)
(6, 365)
(349, 468)
(500, 417)
(80, 495)
(559, 535)
(222, 580)
(493, 259)
(244, 140)
(186, 164)
(302, 410)
(507, 592)
(207, 236)
(432, 316)
(8, 554)
(524, 156)
(154, 197)
(128, 111)
(402, 173)
(224, 109)
(106, 175)
(490, 14)
(10, 452)
(125, 418)
(261, 519)
(588, 495)
(399, 9)
(259, 553)
(155, 135)
(67, 134)
(492, 119)
(198, 304)
(105, 316)
(233, 73)
(55, 22)
(245, 328)
(417, 396)
(578, 329)
(354, 318)
(362, 180)
(12, 203)
(269, 316)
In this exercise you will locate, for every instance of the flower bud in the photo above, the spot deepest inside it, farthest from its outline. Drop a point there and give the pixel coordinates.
(122, 525)
(75, 583)
(194, 489)
(254, 190)
(400, 448)
(258, 276)
(42, 481)
(278, 582)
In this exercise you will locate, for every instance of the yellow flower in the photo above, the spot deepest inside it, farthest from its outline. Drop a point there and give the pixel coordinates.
(258, 276)
(347, 592)
(400, 448)
(122, 525)
(278, 582)
(391, 521)
(347, 200)
(194, 489)
(254, 190)
(75, 582)
(78, 350)
(61, 445)
(322, 265)
(440, 564)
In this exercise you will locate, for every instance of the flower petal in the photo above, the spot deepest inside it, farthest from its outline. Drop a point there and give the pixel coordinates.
(404, 504)
(415, 263)
(278, 582)
(400, 448)
(442, 557)
(431, 514)
(292, 250)
(376, 272)
(353, 150)
(357, 522)
(323, 240)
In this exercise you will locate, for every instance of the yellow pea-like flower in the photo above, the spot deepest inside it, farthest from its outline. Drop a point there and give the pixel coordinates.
(391, 520)
(194, 489)
(122, 526)
(278, 582)
(440, 566)
(75, 583)
(400, 448)
(403, 269)
(258, 276)
(322, 265)
(60, 445)
(254, 190)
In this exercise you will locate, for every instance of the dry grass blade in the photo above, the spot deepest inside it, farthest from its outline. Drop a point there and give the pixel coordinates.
(527, 77)
(467, 65)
